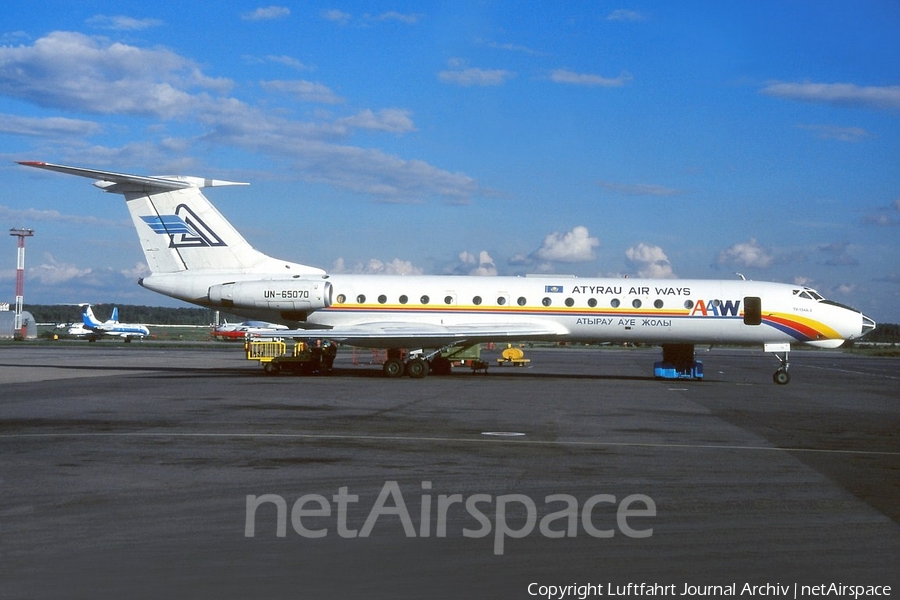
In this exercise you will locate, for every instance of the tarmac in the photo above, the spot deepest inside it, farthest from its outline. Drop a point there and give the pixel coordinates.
(139, 471)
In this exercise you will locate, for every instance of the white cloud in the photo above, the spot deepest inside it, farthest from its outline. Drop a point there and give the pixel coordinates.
(514, 48)
(575, 246)
(305, 91)
(74, 72)
(139, 270)
(588, 79)
(846, 289)
(472, 76)
(482, 265)
(122, 23)
(746, 254)
(650, 261)
(337, 16)
(839, 255)
(841, 134)
(884, 216)
(268, 13)
(375, 266)
(278, 59)
(407, 18)
(393, 120)
(28, 215)
(841, 94)
(49, 126)
(53, 272)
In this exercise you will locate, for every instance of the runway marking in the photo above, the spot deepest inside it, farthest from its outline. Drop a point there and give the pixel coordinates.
(503, 433)
(850, 371)
(442, 440)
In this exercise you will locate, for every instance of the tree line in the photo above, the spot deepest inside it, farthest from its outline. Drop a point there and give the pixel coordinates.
(129, 313)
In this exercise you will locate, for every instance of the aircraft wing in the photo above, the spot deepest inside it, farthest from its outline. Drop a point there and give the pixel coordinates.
(392, 334)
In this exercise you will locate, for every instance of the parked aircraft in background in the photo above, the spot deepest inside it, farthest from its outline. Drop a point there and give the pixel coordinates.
(112, 327)
(238, 331)
(196, 255)
(76, 330)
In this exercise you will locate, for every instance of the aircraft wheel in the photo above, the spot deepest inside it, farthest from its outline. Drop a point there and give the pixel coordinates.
(417, 368)
(781, 377)
(393, 367)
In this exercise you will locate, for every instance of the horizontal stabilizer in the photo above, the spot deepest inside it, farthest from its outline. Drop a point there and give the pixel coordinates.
(121, 182)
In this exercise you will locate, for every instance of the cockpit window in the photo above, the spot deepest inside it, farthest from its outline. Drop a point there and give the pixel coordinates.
(809, 294)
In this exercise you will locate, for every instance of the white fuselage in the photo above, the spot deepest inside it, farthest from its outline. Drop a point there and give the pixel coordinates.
(568, 308)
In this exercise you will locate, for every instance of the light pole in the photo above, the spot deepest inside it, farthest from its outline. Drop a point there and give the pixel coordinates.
(20, 330)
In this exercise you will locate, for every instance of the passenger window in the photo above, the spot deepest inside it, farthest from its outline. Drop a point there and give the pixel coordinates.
(425, 299)
(501, 300)
(361, 299)
(404, 299)
(521, 301)
(636, 303)
(476, 300)
(448, 299)
(382, 299)
(658, 304)
(341, 298)
(546, 302)
(570, 302)
(615, 303)
(592, 302)
(689, 304)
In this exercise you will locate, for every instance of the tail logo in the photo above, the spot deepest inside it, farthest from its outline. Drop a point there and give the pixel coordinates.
(185, 229)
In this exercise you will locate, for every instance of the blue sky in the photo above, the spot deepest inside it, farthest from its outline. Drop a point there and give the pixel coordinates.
(665, 139)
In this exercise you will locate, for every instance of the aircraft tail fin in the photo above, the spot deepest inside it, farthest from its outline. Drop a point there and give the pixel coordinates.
(179, 229)
(88, 318)
(115, 315)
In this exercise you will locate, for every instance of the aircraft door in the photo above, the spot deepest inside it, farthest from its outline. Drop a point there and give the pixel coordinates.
(752, 310)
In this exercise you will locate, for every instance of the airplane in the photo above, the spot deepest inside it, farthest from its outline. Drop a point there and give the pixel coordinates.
(112, 327)
(196, 255)
(78, 330)
(238, 331)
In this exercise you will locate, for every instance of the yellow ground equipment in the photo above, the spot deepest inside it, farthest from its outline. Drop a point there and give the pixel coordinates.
(276, 356)
(513, 356)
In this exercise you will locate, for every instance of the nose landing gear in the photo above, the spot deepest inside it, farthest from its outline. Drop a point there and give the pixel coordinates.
(781, 376)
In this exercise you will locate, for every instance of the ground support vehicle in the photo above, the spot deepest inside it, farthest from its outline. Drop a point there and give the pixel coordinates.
(678, 363)
(302, 358)
(513, 356)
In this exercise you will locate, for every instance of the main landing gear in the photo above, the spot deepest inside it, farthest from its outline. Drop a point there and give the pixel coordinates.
(416, 367)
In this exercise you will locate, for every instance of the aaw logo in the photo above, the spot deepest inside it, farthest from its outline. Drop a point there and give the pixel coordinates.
(717, 308)
(185, 229)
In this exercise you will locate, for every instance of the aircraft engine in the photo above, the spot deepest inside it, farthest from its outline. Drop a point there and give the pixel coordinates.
(286, 295)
